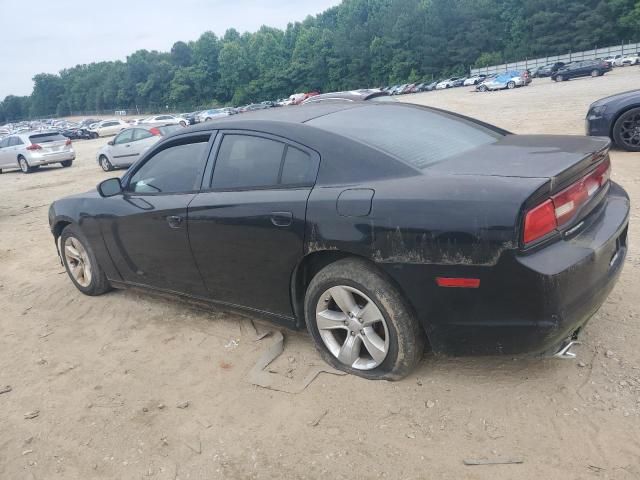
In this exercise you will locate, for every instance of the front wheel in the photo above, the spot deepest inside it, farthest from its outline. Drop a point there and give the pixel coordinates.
(595, 73)
(66, 163)
(81, 264)
(626, 130)
(559, 78)
(511, 85)
(105, 164)
(360, 323)
(482, 88)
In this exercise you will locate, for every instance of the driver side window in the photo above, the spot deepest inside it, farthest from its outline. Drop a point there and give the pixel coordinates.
(124, 137)
(176, 169)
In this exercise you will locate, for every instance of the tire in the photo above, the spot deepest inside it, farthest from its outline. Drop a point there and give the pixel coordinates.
(207, 119)
(183, 124)
(397, 333)
(94, 135)
(482, 88)
(105, 164)
(626, 130)
(511, 85)
(95, 282)
(24, 165)
(66, 163)
(595, 73)
(559, 78)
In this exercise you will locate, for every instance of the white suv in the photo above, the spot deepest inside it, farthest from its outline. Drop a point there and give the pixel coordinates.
(29, 150)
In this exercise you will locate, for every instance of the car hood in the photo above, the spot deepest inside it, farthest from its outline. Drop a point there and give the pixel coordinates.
(630, 95)
(527, 156)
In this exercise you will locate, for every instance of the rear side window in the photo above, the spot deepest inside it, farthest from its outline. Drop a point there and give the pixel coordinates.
(172, 170)
(298, 168)
(167, 129)
(245, 161)
(15, 141)
(414, 135)
(46, 137)
(140, 134)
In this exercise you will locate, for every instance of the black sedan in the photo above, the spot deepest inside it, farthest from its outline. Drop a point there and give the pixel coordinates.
(594, 68)
(617, 117)
(378, 226)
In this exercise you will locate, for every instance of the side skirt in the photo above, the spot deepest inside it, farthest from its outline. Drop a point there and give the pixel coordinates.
(205, 303)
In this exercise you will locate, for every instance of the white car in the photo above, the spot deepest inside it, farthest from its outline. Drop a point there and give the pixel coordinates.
(632, 59)
(162, 120)
(448, 83)
(613, 60)
(106, 128)
(129, 144)
(207, 115)
(474, 80)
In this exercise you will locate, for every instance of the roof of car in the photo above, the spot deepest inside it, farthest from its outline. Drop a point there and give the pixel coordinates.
(347, 96)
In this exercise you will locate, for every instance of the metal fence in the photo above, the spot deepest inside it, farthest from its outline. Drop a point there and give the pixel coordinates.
(622, 49)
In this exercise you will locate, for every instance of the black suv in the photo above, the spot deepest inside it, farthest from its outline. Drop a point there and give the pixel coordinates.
(595, 68)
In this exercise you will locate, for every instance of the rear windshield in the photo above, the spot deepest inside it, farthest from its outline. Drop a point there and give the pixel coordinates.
(167, 129)
(417, 136)
(46, 137)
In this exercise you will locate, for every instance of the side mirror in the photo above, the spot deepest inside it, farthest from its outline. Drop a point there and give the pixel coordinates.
(111, 142)
(110, 187)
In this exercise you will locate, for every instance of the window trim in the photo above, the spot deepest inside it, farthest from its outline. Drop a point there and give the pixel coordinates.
(215, 151)
(187, 138)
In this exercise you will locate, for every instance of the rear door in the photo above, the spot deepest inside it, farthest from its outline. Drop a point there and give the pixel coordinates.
(247, 229)
(6, 160)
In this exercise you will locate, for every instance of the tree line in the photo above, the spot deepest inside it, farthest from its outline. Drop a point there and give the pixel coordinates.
(358, 43)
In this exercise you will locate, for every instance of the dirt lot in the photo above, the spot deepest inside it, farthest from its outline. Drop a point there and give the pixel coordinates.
(107, 374)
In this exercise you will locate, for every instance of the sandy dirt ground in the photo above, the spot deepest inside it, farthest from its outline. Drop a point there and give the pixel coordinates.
(107, 376)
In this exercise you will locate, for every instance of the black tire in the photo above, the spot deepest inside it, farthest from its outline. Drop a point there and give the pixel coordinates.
(406, 337)
(623, 135)
(595, 73)
(24, 166)
(511, 85)
(105, 164)
(66, 163)
(99, 283)
(183, 124)
(94, 135)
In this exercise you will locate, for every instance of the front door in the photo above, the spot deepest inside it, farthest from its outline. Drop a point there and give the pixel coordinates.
(146, 230)
(247, 230)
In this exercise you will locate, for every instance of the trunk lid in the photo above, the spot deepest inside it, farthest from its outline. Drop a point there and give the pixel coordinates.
(559, 158)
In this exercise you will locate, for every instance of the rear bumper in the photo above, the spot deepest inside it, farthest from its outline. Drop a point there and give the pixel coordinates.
(526, 304)
(37, 160)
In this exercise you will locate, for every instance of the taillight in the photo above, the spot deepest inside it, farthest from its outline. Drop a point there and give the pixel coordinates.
(563, 206)
(35, 146)
(156, 132)
(68, 142)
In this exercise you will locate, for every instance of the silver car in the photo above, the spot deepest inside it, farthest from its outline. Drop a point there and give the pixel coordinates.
(29, 150)
(163, 120)
(129, 144)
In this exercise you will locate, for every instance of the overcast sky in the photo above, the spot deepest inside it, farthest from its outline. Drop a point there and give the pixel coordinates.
(47, 36)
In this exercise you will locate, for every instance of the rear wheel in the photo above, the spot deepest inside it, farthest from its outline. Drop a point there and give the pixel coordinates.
(559, 78)
(105, 164)
(81, 264)
(24, 165)
(184, 124)
(360, 323)
(482, 88)
(626, 130)
(67, 163)
(511, 85)
(595, 73)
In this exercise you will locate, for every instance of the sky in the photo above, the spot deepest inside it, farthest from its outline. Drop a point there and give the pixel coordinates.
(52, 35)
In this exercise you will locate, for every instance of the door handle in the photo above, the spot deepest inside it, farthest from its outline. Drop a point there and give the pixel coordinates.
(174, 221)
(282, 219)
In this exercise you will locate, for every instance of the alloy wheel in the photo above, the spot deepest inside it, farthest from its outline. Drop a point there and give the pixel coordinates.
(105, 164)
(78, 261)
(24, 166)
(352, 327)
(630, 130)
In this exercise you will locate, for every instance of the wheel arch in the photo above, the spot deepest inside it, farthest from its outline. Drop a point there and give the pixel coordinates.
(313, 262)
(618, 115)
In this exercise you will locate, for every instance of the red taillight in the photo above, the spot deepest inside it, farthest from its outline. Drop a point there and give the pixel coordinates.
(539, 222)
(563, 206)
(35, 146)
(458, 282)
(68, 142)
(156, 132)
